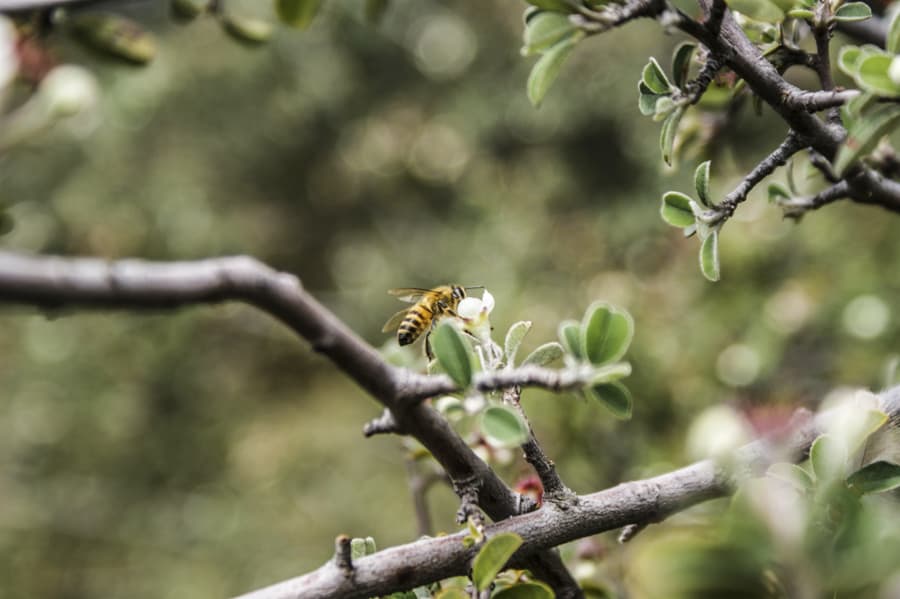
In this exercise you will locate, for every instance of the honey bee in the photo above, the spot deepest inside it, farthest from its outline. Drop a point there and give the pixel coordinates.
(428, 306)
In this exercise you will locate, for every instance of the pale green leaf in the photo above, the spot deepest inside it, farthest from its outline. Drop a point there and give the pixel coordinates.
(115, 35)
(614, 396)
(544, 30)
(570, 337)
(655, 79)
(492, 557)
(525, 590)
(709, 256)
(701, 183)
(892, 43)
(801, 13)
(681, 62)
(872, 75)
(544, 354)
(791, 474)
(189, 9)
(676, 209)
(546, 69)
(761, 10)
(864, 134)
(828, 458)
(453, 353)
(503, 427)
(514, 338)
(297, 13)
(777, 193)
(557, 5)
(853, 11)
(247, 29)
(606, 333)
(611, 372)
(667, 134)
(876, 477)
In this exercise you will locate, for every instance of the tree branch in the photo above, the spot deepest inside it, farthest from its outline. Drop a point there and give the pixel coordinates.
(797, 207)
(53, 283)
(415, 564)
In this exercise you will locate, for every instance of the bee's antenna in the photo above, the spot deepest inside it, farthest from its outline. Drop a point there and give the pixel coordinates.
(474, 287)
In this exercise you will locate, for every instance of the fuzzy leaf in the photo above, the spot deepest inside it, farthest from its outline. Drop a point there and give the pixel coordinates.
(676, 209)
(654, 78)
(681, 62)
(647, 101)
(606, 333)
(760, 10)
(801, 13)
(873, 75)
(892, 43)
(546, 69)
(115, 35)
(828, 457)
(876, 477)
(525, 590)
(777, 193)
(297, 13)
(544, 30)
(503, 427)
(570, 337)
(853, 11)
(492, 557)
(792, 474)
(614, 396)
(611, 372)
(709, 256)
(544, 354)
(863, 136)
(453, 353)
(701, 182)
(667, 134)
(247, 29)
(514, 338)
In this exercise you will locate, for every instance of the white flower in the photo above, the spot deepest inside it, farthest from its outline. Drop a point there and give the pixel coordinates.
(9, 62)
(475, 313)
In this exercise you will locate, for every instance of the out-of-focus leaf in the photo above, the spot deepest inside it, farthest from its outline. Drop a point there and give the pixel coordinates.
(503, 427)
(667, 134)
(663, 108)
(514, 338)
(546, 69)
(611, 372)
(606, 333)
(777, 192)
(872, 74)
(375, 10)
(853, 11)
(453, 353)
(357, 548)
(892, 42)
(7, 223)
(681, 62)
(545, 30)
(761, 10)
(655, 79)
(544, 354)
(557, 5)
(247, 29)
(115, 35)
(614, 396)
(452, 593)
(876, 477)
(792, 474)
(864, 134)
(801, 13)
(709, 256)
(701, 183)
(570, 337)
(189, 9)
(525, 590)
(492, 557)
(297, 13)
(828, 457)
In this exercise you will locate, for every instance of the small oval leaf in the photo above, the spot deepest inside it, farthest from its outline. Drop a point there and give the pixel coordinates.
(453, 353)
(513, 340)
(828, 457)
(681, 62)
(606, 333)
(544, 30)
(876, 477)
(709, 256)
(492, 557)
(667, 134)
(701, 183)
(892, 43)
(525, 590)
(297, 13)
(863, 136)
(655, 79)
(853, 11)
(570, 337)
(676, 209)
(115, 35)
(647, 103)
(777, 193)
(614, 396)
(503, 427)
(545, 354)
(247, 29)
(873, 75)
(546, 70)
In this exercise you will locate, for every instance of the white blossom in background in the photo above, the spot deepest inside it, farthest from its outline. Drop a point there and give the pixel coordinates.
(9, 60)
(68, 90)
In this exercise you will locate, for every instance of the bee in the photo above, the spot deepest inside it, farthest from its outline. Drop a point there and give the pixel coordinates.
(429, 305)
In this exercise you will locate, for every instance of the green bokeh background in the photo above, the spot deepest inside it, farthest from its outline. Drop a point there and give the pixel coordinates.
(208, 452)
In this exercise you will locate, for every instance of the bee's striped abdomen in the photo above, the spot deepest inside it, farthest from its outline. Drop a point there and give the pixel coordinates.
(417, 320)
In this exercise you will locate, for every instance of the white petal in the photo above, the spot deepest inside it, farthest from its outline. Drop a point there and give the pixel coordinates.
(469, 308)
(488, 300)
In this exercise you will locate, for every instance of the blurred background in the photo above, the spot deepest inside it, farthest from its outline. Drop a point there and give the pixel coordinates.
(209, 452)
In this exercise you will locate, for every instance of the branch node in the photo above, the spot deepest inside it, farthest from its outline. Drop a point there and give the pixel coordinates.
(383, 425)
(342, 554)
(631, 531)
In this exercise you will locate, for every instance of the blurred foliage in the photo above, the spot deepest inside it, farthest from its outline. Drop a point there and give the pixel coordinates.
(208, 453)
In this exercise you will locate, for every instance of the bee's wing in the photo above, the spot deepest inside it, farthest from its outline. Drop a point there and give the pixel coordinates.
(410, 294)
(394, 321)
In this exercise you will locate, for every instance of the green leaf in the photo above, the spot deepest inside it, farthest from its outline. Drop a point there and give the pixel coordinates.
(503, 427)
(544, 30)
(452, 593)
(514, 338)
(492, 557)
(761, 10)
(676, 209)
(525, 590)
(297, 13)
(864, 134)
(614, 396)
(570, 337)
(667, 134)
(247, 29)
(663, 108)
(828, 457)
(375, 10)
(681, 62)
(557, 5)
(647, 99)
(709, 256)
(611, 372)
(453, 353)
(801, 13)
(701, 182)
(189, 9)
(357, 548)
(370, 546)
(892, 42)
(544, 354)
(792, 474)
(777, 192)
(853, 11)
(546, 69)
(875, 477)
(606, 333)
(655, 79)
(115, 35)
(872, 74)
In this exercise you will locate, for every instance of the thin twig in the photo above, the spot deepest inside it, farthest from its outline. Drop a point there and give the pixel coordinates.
(797, 207)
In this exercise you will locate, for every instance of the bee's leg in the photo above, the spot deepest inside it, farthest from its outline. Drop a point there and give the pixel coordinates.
(428, 353)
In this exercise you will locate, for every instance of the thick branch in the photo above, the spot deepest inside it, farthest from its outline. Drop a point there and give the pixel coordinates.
(55, 283)
(414, 564)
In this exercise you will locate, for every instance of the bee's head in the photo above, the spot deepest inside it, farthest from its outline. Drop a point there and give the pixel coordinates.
(457, 292)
